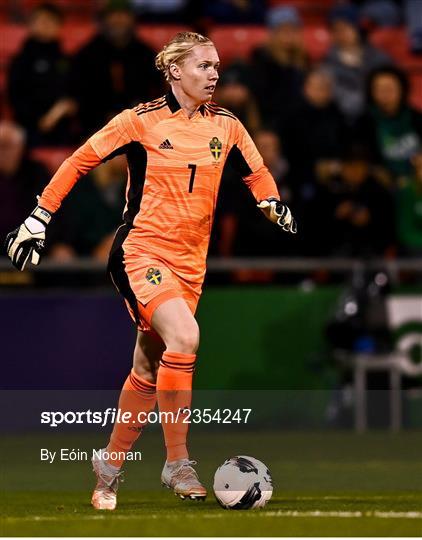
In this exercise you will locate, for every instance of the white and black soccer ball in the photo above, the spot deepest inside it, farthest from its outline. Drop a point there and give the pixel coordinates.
(243, 482)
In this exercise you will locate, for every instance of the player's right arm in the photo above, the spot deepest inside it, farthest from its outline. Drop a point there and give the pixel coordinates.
(27, 241)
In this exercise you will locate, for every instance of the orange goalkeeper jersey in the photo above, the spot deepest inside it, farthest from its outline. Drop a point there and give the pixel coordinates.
(175, 165)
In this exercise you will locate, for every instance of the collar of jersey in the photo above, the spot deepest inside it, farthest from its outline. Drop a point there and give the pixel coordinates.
(174, 105)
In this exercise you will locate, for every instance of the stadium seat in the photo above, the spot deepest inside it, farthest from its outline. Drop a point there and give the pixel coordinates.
(395, 42)
(74, 36)
(12, 37)
(237, 42)
(3, 15)
(416, 89)
(72, 9)
(158, 35)
(317, 40)
(52, 158)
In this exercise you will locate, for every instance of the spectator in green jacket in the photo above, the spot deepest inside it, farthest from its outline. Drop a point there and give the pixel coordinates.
(392, 129)
(409, 211)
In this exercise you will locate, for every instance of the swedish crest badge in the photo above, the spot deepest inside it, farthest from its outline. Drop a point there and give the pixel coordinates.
(215, 147)
(154, 276)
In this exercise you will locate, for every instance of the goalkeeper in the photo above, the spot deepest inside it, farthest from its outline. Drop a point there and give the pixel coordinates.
(176, 148)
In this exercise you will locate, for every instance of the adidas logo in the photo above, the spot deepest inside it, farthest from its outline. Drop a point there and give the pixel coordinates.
(166, 145)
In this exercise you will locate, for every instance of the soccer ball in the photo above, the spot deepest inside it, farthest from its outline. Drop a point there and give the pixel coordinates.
(243, 482)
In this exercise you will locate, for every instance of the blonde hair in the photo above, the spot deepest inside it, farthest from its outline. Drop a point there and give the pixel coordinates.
(177, 49)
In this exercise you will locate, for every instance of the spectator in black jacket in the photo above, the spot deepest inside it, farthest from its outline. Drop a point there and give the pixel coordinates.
(37, 81)
(354, 213)
(279, 66)
(314, 131)
(115, 70)
(391, 128)
(233, 92)
(20, 178)
(313, 136)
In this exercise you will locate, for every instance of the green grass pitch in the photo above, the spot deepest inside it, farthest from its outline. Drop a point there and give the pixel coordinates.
(325, 484)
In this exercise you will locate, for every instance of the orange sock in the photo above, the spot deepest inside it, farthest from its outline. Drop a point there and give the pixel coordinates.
(174, 393)
(138, 395)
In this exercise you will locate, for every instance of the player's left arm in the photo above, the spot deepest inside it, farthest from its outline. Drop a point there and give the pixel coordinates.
(246, 159)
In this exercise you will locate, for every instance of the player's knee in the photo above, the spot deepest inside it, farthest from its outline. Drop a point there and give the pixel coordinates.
(185, 340)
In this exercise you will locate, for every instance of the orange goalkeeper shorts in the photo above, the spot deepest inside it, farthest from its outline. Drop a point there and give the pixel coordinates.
(145, 283)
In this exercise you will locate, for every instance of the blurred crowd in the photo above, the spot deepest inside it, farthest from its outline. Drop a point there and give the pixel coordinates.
(339, 135)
